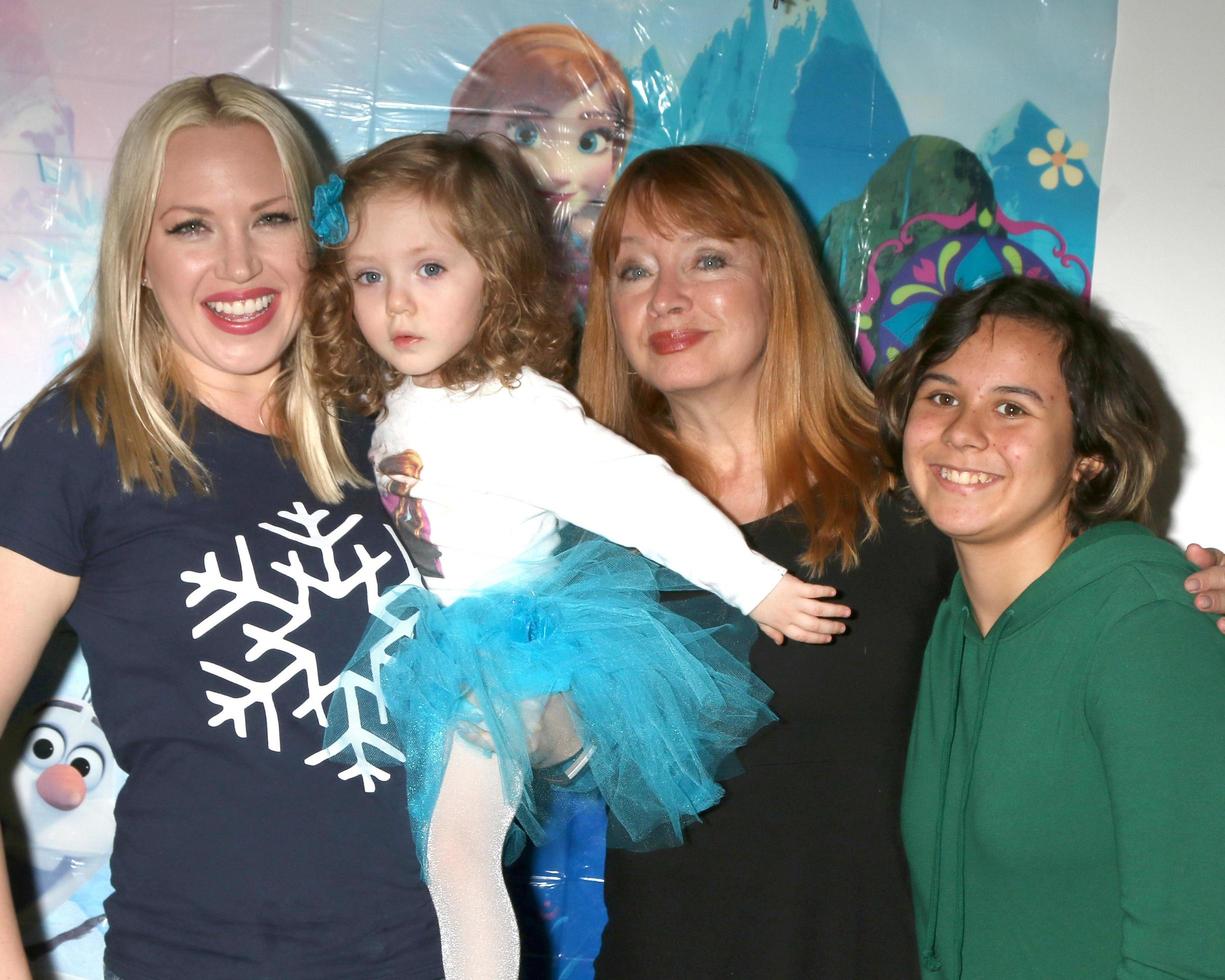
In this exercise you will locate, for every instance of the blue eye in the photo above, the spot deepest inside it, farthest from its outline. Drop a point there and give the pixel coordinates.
(632, 273)
(191, 226)
(711, 260)
(368, 278)
(523, 132)
(432, 269)
(594, 141)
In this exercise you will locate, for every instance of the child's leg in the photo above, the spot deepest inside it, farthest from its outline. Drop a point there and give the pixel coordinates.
(552, 738)
(480, 940)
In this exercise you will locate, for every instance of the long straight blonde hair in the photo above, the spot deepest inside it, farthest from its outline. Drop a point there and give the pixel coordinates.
(127, 382)
(815, 416)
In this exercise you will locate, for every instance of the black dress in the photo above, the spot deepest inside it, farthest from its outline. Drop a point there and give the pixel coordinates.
(799, 871)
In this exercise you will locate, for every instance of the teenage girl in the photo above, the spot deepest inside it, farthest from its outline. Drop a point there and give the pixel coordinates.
(437, 307)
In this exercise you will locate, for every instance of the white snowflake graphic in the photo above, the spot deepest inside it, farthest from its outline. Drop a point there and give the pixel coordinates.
(305, 529)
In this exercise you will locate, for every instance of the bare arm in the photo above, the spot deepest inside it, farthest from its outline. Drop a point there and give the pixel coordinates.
(32, 601)
(1208, 584)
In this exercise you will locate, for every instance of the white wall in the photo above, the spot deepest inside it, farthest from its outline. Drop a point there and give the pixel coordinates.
(1160, 261)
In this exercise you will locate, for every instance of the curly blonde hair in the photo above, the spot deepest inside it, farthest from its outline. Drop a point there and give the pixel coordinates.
(498, 218)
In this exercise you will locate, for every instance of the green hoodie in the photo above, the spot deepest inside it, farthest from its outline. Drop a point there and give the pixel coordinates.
(1064, 808)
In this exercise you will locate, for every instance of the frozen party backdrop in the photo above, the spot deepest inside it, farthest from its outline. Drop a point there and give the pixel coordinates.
(931, 144)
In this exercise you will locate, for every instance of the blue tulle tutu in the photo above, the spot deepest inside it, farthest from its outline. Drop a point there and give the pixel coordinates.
(659, 692)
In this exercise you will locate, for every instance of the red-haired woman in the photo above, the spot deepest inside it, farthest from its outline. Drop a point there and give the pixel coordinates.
(711, 341)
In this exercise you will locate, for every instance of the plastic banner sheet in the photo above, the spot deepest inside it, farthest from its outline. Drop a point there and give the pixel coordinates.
(929, 144)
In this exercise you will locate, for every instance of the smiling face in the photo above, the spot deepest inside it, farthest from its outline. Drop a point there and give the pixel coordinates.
(225, 259)
(691, 312)
(417, 292)
(988, 447)
(570, 147)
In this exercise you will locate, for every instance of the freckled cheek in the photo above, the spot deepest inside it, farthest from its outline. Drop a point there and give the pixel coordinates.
(1019, 456)
(912, 443)
(922, 432)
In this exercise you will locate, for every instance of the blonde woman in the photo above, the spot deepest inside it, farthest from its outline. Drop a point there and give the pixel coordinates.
(180, 497)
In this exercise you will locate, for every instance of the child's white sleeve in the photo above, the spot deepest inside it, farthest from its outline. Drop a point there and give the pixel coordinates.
(591, 477)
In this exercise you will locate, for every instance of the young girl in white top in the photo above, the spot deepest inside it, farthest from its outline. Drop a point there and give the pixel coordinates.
(439, 309)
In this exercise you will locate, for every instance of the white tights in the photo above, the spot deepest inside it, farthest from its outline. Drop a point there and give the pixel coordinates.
(480, 940)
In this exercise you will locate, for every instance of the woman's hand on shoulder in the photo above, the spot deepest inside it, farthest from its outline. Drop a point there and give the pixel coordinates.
(1208, 584)
(801, 611)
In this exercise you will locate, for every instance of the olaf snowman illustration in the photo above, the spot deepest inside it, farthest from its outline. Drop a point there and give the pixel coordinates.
(58, 812)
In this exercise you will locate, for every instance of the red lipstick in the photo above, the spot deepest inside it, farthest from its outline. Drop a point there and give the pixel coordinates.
(675, 341)
(241, 311)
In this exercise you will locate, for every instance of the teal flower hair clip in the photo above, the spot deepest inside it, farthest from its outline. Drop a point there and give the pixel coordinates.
(328, 219)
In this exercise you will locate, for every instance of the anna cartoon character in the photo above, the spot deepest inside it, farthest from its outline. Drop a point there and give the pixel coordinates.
(566, 104)
(400, 474)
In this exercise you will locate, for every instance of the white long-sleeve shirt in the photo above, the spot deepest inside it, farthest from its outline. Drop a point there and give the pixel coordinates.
(479, 480)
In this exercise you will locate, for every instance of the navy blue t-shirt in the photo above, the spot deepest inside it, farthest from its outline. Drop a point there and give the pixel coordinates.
(214, 627)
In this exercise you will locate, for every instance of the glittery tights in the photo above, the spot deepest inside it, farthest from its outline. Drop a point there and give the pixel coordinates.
(480, 940)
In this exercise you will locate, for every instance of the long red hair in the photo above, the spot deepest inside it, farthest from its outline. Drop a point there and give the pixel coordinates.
(815, 415)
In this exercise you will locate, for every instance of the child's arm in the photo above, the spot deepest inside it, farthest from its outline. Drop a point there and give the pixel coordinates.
(593, 478)
(794, 609)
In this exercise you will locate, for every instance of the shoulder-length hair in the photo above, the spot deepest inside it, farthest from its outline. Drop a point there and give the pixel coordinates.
(127, 382)
(1113, 418)
(494, 211)
(554, 61)
(815, 418)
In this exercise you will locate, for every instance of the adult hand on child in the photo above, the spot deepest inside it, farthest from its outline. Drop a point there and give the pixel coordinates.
(551, 737)
(1208, 584)
(799, 610)
(471, 727)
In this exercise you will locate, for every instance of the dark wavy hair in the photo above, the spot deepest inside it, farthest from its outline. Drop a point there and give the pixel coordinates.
(501, 221)
(1113, 418)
